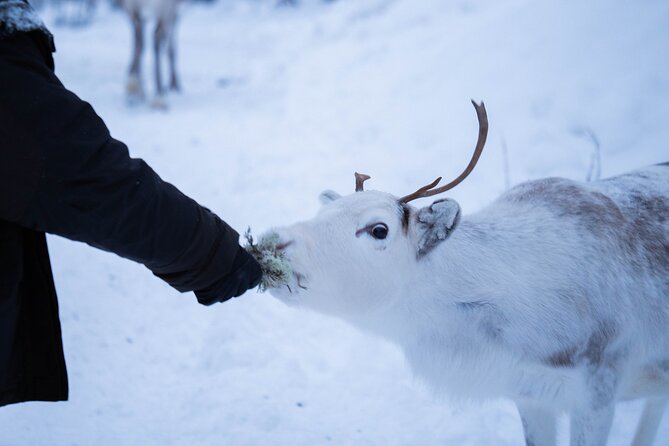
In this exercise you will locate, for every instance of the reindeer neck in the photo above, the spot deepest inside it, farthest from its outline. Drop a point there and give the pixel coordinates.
(468, 275)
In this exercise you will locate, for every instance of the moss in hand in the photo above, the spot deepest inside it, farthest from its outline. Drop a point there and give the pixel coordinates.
(276, 270)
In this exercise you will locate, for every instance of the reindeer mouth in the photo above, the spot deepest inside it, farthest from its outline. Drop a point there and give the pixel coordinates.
(290, 293)
(298, 282)
(301, 280)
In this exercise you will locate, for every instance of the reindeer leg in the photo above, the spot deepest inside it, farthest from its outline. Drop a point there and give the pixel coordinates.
(158, 44)
(591, 420)
(650, 421)
(172, 54)
(538, 424)
(591, 427)
(89, 10)
(134, 89)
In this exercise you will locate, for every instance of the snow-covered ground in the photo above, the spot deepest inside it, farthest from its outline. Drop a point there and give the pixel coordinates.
(279, 104)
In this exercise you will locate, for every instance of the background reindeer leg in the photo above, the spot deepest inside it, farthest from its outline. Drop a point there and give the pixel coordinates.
(134, 88)
(159, 35)
(171, 52)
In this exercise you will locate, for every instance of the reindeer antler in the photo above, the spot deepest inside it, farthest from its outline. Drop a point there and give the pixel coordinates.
(428, 191)
(359, 179)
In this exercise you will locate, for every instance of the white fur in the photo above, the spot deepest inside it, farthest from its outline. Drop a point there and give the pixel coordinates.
(556, 295)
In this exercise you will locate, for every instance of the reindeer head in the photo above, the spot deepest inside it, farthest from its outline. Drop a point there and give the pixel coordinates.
(362, 251)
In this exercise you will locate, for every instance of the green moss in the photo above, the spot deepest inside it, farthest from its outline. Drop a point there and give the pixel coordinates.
(275, 267)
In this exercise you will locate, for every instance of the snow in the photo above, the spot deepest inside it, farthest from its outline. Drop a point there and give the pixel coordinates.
(279, 104)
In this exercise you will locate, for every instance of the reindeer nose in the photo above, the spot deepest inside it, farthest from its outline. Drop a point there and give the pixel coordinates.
(283, 244)
(283, 240)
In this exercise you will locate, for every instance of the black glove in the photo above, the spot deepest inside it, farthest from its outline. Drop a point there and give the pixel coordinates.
(245, 274)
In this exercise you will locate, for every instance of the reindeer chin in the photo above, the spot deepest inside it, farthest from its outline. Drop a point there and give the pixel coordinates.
(290, 293)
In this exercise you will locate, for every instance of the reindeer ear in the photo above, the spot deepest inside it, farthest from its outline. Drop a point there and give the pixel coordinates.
(435, 224)
(328, 196)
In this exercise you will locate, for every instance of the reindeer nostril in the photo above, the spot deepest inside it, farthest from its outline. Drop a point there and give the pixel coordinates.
(283, 245)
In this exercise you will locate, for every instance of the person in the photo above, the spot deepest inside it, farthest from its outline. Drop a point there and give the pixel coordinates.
(62, 173)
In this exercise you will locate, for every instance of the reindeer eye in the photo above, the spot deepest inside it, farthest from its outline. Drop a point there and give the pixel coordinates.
(379, 231)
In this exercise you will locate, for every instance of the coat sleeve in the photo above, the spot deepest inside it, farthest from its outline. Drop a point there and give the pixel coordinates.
(61, 172)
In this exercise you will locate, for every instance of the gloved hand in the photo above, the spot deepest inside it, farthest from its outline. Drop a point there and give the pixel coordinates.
(245, 274)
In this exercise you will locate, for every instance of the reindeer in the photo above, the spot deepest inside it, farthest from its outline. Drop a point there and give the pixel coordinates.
(556, 295)
(165, 13)
(74, 12)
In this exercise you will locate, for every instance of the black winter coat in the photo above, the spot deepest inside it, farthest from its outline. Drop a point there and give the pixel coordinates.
(61, 172)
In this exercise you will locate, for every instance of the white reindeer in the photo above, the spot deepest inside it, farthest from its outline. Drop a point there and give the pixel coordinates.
(556, 295)
(165, 14)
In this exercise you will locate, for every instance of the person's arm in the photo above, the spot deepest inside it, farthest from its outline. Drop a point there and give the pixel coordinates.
(61, 172)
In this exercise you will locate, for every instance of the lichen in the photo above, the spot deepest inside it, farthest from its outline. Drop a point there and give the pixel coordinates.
(276, 270)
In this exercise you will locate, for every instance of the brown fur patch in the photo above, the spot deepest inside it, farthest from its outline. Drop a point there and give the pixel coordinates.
(564, 358)
(593, 352)
(406, 217)
(647, 237)
(638, 228)
(598, 342)
(569, 199)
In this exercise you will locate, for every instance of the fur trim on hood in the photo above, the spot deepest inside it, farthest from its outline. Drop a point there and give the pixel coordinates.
(19, 16)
